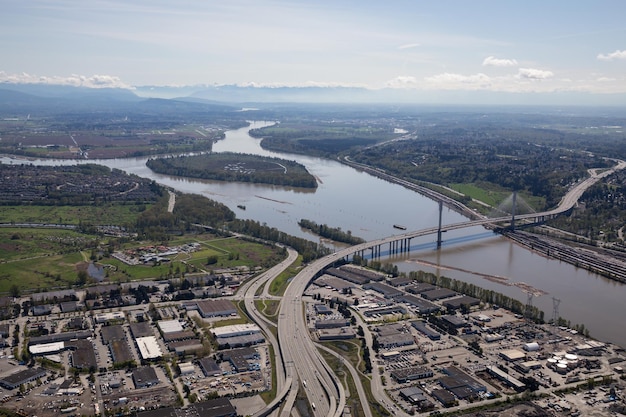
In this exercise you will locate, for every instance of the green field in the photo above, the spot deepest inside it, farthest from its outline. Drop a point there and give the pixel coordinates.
(117, 214)
(494, 196)
(38, 259)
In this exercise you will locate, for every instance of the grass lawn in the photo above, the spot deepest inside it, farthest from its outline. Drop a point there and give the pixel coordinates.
(40, 259)
(279, 285)
(101, 215)
(494, 196)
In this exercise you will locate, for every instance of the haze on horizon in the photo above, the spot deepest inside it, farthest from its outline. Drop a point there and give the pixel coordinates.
(530, 49)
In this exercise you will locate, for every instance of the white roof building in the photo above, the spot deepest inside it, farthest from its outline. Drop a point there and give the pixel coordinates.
(186, 368)
(46, 348)
(235, 330)
(149, 347)
(170, 326)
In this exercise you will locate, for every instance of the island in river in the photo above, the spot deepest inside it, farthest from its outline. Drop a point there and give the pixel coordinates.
(235, 167)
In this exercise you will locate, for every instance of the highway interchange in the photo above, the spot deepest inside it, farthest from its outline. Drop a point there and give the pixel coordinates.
(297, 357)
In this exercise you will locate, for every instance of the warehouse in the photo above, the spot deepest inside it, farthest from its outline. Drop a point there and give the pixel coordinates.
(456, 378)
(46, 348)
(141, 329)
(216, 308)
(438, 294)
(148, 347)
(240, 341)
(422, 306)
(185, 347)
(120, 351)
(506, 378)
(82, 355)
(111, 333)
(336, 334)
(413, 395)
(331, 324)
(235, 330)
(411, 374)
(170, 326)
(386, 290)
(109, 317)
(144, 377)
(419, 288)
(186, 368)
(60, 337)
(333, 282)
(400, 281)
(382, 311)
(445, 397)
(22, 377)
(397, 340)
(456, 303)
(210, 367)
(427, 331)
(512, 355)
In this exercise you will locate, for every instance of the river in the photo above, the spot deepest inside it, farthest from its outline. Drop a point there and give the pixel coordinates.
(369, 207)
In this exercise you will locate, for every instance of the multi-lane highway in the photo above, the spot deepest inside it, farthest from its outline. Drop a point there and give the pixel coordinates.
(302, 359)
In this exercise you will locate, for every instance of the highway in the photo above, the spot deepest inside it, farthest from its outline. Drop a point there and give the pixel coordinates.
(301, 358)
(249, 290)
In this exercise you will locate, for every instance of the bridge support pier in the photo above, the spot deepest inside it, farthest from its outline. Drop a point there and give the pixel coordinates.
(439, 228)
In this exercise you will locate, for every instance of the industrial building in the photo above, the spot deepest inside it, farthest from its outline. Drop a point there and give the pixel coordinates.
(22, 377)
(386, 290)
(427, 331)
(400, 281)
(411, 374)
(331, 323)
(141, 329)
(336, 334)
(239, 358)
(438, 294)
(238, 335)
(215, 308)
(144, 377)
(82, 354)
(148, 347)
(185, 347)
(461, 384)
(512, 355)
(169, 326)
(506, 378)
(422, 306)
(419, 288)
(465, 300)
(210, 367)
(103, 318)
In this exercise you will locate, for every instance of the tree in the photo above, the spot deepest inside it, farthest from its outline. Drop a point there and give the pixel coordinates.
(81, 278)
(14, 291)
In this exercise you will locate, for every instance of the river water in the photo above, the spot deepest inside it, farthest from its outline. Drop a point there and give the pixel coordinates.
(369, 207)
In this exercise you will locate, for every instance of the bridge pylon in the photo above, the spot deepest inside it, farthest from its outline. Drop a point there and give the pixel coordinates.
(439, 228)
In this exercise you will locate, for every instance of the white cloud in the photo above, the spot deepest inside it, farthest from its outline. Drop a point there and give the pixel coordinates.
(451, 81)
(534, 74)
(75, 80)
(492, 61)
(402, 81)
(409, 45)
(613, 55)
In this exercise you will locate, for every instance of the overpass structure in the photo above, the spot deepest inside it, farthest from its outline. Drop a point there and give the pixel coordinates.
(303, 361)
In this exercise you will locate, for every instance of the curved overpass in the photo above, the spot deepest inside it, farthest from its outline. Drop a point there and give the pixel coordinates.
(302, 359)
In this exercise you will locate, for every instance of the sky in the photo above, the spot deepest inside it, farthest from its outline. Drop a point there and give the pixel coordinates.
(525, 47)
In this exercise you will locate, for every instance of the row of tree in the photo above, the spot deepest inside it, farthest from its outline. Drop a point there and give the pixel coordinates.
(333, 233)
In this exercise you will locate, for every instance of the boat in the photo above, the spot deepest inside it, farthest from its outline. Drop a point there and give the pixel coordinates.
(399, 226)
(241, 206)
